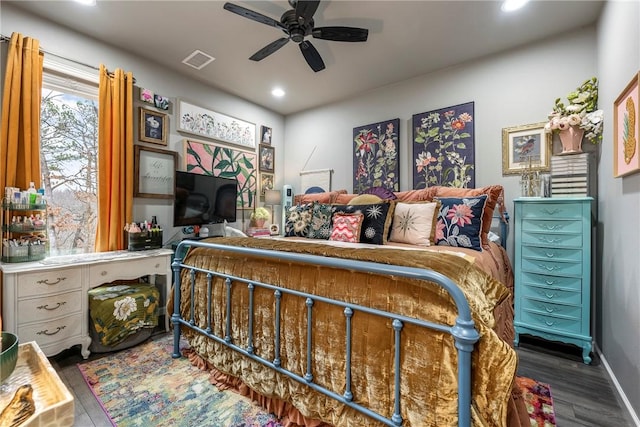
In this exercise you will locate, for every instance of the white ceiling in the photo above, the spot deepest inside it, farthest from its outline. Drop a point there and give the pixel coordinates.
(406, 39)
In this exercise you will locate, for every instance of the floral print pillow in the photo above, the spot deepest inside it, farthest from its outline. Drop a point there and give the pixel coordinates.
(298, 220)
(460, 222)
(320, 227)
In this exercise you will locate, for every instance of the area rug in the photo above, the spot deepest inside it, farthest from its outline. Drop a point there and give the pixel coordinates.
(144, 386)
(539, 402)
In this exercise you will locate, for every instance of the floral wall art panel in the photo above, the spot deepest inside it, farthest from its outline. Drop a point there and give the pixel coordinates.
(444, 147)
(375, 156)
(204, 122)
(212, 159)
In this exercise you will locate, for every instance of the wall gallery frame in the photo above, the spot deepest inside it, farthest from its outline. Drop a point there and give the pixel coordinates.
(265, 133)
(524, 146)
(154, 172)
(626, 130)
(218, 160)
(204, 122)
(153, 126)
(444, 147)
(267, 158)
(375, 156)
(266, 183)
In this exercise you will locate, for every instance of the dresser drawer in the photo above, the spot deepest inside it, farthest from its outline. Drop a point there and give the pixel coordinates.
(49, 332)
(49, 282)
(548, 253)
(551, 323)
(37, 309)
(552, 211)
(552, 282)
(552, 226)
(552, 267)
(552, 239)
(551, 295)
(126, 270)
(551, 308)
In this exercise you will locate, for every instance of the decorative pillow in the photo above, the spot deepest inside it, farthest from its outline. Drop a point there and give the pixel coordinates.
(415, 223)
(460, 222)
(320, 227)
(346, 227)
(297, 220)
(383, 193)
(494, 194)
(376, 223)
(365, 199)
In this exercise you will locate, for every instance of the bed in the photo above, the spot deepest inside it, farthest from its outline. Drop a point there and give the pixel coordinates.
(353, 334)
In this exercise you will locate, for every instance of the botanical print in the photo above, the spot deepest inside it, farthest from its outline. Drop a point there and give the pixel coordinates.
(443, 147)
(211, 159)
(375, 156)
(200, 121)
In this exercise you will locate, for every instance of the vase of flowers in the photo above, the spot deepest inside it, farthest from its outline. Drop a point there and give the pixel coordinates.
(579, 119)
(259, 216)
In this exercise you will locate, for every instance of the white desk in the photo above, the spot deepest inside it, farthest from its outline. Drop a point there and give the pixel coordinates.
(46, 301)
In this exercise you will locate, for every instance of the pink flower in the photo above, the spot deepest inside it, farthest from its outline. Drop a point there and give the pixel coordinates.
(423, 160)
(457, 124)
(465, 117)
(460, 214)
(440, 230)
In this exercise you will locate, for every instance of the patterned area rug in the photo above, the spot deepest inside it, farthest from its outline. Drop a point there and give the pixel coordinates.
(144, 386)
(539, 402)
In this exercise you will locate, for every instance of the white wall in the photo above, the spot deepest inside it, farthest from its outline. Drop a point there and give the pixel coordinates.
(618, 292)
(69, 44)
(510, 89)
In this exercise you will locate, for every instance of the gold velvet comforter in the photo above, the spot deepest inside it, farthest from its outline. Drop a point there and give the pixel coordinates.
(429, 370)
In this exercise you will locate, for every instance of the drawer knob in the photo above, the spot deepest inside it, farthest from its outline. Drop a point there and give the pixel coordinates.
(550, 296)
(550, 254)
(46, 307)
(46, 331)
(549, 267)
(549, 240)
(103, 273)
(550, 211)
(46, 281)
(157, 265)
(549, 309)
(552, 227)
(550, 282)
(549, 323)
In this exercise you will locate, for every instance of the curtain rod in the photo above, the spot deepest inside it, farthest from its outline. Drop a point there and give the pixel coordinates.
(4, 38)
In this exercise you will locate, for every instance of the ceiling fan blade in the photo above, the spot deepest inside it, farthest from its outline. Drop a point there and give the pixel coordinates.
(312, 56)
(341, 34)
(255, 16)
(305, 10)
(269, 49)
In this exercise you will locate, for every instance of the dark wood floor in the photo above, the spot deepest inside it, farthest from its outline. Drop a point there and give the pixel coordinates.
(583, 394)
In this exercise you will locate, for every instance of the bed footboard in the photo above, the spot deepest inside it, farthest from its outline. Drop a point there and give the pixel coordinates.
(463, 332)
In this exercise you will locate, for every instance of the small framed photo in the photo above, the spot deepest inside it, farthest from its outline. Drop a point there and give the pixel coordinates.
(266, 183)
(154, 172)
(153, 126)
(525, 147)
(265, 135)
(266, 158)
(626, 130)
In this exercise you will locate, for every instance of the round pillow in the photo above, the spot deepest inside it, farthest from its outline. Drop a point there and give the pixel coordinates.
(365, 199)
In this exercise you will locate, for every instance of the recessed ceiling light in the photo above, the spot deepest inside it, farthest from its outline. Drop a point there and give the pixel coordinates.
(86, 2)
(277, 92)
(511, 5)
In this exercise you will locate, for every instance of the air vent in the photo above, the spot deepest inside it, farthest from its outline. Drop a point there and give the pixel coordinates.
(198, 59)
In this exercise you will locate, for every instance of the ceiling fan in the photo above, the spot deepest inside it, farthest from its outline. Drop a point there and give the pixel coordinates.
(297, 24)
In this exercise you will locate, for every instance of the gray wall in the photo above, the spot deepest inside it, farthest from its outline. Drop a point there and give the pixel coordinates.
(66, 43)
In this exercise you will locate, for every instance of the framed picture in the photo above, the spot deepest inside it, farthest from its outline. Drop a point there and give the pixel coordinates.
(266, 183)
(266, 158)
(524, 147)
(204, 122)
(626, 130)
(444, 147)
(375, 156)
(153, 126)
(154, 172)
(265, 133)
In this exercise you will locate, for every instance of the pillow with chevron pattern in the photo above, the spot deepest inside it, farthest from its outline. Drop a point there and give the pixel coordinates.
(376, 222)
(346, 227)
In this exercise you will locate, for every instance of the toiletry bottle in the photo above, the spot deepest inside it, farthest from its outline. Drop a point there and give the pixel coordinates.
(32, 192)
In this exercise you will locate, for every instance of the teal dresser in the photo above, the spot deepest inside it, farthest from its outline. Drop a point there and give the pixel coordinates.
(552, 265)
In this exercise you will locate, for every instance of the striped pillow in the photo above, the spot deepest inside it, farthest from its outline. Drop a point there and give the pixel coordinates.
(346, 227)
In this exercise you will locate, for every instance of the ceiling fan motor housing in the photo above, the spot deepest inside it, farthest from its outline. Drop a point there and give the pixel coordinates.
(297, 30)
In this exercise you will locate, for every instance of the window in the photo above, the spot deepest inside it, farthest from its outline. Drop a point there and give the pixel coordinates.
(69, 160)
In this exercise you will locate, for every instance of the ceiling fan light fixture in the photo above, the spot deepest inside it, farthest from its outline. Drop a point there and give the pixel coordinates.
(278, 92)
(86, 2)
(513, 5)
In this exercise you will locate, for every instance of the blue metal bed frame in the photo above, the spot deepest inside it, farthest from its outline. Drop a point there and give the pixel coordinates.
(463, 332)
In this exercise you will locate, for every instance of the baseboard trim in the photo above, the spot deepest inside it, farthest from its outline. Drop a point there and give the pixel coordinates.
(633, 414)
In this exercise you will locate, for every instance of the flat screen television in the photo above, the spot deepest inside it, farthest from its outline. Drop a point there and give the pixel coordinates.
(203, 199)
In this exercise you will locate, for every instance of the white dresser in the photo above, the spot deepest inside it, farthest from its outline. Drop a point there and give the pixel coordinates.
(46, 301)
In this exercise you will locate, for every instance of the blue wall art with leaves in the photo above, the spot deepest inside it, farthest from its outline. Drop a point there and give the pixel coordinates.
(443, 147)
(375, 156)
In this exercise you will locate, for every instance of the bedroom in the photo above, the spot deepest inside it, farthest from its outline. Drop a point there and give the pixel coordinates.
(533, 80)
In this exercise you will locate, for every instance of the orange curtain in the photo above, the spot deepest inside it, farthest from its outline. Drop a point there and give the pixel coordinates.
(115, 159)
(20, 134)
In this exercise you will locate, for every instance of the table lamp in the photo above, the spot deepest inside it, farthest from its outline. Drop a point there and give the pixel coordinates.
(272, 198)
